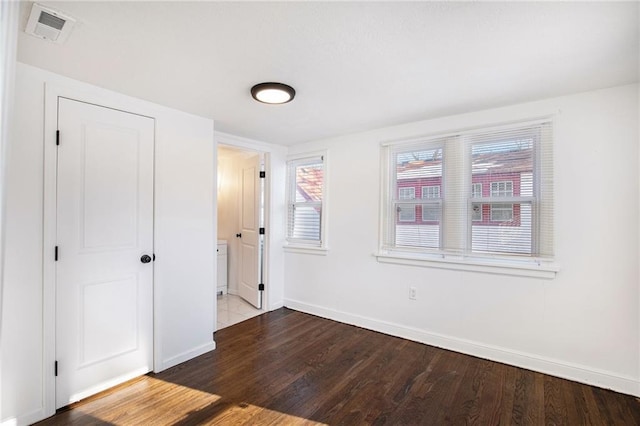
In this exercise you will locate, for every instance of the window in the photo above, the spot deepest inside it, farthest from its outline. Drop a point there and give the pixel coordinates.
(430, 213)
(458, 221)
(406, 193)
(432, 191)
(416, 167)
(502, 212)
(305, 199)
(476, 192)
(502, 189)
(406, 213)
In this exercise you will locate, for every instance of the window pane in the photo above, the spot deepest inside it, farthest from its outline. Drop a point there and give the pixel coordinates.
(418, 174)
(501, 166)
(406, 213)
(430, 213)
(477, 212)
(415, 235)
(502, 189)
(476, 190)
(509, 234)
(305, 222)
(406, 193)
(501, 212)
(505, 167)
(431, 191)
(305, 194)
(418, 168)
(309, 182)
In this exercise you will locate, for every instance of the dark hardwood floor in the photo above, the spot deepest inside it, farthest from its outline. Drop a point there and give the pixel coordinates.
(286, 367)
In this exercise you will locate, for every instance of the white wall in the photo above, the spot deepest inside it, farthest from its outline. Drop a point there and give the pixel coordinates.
(581, 325)
(184, 271)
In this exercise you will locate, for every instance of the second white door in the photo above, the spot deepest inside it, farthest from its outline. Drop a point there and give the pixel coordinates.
(249, 259)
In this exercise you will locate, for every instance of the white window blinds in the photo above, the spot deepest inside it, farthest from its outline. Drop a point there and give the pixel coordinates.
(305, 181)
(483, 192)
(414, 207)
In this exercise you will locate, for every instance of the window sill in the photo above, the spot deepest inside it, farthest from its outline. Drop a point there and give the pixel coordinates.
(489, 266)
(300, 249)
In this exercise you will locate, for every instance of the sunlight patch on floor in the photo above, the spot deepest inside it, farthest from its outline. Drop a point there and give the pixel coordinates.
(168, 403)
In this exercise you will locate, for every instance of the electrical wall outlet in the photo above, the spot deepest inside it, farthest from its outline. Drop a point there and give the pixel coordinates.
(412, 293)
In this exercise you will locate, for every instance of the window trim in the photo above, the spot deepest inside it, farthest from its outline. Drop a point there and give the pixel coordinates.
(534, 268)
(308, 246)
(494, 263)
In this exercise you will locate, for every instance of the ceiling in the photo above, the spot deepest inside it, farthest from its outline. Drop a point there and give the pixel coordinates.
(355, 66)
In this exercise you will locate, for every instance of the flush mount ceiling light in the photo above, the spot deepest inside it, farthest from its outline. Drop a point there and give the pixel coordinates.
(273, 93)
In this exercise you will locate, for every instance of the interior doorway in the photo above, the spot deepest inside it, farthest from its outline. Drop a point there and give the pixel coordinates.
(241, 218)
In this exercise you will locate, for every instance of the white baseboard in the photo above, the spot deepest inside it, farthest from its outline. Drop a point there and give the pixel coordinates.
(27, 419)
(274, 306)
(186, 356)
(575, 372)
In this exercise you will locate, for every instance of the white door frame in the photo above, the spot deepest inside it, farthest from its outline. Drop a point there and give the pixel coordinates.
(274, 230)
(9, 17)
(91, 96)
(263, 252)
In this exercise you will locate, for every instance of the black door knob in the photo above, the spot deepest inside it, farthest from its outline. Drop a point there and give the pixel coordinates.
(145, 258)
(238, 235)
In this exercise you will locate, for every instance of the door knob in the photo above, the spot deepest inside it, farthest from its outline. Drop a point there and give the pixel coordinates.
(238, 235)
(145, 258)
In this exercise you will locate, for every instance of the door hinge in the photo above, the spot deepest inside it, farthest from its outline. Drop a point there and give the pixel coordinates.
(55, 255)
(261, 231)
(263, 174)
(57, 137)
(55, 368)
(260, 287)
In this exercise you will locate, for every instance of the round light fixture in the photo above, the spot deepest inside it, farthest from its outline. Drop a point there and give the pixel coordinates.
(273, 93)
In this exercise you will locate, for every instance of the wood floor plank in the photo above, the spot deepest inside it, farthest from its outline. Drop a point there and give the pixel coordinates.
(287, 367)
(555, 409)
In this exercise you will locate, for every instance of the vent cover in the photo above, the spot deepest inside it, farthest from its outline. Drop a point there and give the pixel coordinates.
(49, 24)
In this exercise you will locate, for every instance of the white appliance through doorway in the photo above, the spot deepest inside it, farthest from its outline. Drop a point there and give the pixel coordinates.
(222, 267)
(104, 249)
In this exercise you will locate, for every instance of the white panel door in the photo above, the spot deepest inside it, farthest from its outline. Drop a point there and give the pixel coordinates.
(249, 260)
(104, 328)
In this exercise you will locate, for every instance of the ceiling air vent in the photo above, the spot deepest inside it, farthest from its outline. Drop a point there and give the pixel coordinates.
(49, 24)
